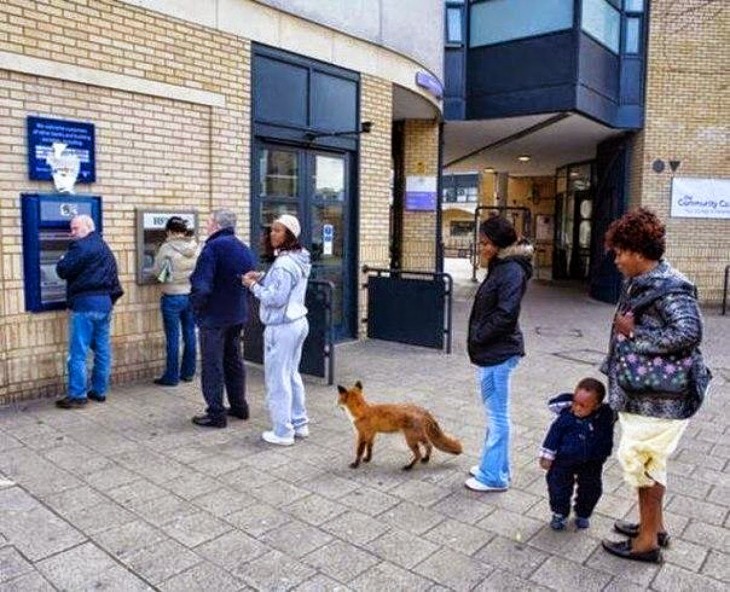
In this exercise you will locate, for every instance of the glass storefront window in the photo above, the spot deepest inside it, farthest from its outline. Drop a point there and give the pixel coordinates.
(602, 22)
(329, 178)
(278, 173)
(497, 21)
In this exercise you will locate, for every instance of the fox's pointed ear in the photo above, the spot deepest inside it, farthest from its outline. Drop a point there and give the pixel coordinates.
(358, 385)
(342, 390)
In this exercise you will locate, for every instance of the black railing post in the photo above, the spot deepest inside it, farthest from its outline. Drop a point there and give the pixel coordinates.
(725, 287)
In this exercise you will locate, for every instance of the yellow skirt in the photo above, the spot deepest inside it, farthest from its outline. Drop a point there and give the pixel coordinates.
(646, 444)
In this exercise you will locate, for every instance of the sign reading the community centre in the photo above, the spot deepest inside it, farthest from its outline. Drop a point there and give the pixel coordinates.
(76, 136)
(421, 193)
(700, 198)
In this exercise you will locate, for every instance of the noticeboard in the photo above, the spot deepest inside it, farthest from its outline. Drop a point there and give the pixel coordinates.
(78, 137)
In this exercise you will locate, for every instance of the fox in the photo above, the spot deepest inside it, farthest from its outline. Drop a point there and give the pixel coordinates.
(416, 423)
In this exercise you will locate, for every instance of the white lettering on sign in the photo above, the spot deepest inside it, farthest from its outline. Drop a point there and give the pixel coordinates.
(700, 198)
(157, 220)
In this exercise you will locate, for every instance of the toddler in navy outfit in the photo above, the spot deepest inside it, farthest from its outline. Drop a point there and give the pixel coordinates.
(577, 444)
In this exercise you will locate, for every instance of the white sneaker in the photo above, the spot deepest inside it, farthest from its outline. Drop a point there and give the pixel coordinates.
(474, 470)
(475, 485)
(302, 432)
(272, 438)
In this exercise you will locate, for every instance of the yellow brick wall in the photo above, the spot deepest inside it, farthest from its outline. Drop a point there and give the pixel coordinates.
(151, 151)
(687, 114)
(376, 105)
(421, 138)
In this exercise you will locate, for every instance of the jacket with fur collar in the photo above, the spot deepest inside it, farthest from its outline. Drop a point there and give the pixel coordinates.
(494, 330)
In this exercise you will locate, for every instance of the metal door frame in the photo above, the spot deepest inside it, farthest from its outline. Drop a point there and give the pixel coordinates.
(305, 200)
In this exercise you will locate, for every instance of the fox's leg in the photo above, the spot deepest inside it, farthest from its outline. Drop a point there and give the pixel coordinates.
(412, 442)
(361, 443)
(369, 450)
(427, 445)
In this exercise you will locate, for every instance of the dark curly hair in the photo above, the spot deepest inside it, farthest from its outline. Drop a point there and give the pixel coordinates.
(639, 231)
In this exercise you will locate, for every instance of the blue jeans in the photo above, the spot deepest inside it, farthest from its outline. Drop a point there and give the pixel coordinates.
(176, 314)
(88, 330)
(494, 390)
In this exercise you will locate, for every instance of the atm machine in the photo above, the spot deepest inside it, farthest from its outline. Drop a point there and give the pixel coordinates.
(46, 234)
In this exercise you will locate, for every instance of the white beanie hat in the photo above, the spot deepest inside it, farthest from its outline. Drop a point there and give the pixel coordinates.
(290, 222)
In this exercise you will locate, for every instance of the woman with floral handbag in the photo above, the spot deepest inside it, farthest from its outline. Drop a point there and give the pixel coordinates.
(656, 374)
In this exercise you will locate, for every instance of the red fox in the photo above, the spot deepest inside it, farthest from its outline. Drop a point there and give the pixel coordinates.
(417, 425)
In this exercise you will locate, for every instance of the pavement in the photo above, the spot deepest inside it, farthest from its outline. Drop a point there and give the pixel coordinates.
(129, 495)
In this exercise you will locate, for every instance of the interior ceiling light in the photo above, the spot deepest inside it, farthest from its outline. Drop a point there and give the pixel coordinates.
(489, 170)
(524, 158)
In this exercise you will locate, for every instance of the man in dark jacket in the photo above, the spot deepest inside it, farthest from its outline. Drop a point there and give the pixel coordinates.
(92, 288)
(495, 343)
(218, 299)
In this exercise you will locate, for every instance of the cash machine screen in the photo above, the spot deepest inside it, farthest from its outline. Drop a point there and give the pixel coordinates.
(54, 244)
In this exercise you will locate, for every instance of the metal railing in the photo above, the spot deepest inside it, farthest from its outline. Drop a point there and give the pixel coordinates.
(725, 288)
(397, 300)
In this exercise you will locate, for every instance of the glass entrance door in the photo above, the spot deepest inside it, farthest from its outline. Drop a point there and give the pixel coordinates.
(314, 186)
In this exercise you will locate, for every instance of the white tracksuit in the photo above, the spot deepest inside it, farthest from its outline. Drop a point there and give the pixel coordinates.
(282, 292)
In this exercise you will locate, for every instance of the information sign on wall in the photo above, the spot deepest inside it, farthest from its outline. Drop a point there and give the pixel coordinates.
(421, 193)
(78, 137)
(700, 198)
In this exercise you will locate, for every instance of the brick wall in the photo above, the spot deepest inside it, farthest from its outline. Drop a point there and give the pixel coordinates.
(151, 151)
(687, 114)
(419, 228)
(376, 104)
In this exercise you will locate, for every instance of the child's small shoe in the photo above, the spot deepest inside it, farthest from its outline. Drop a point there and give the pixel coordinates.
(582, 523)
(558, 522)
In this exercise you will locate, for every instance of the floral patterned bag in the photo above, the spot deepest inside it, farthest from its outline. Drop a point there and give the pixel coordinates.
(653, 373)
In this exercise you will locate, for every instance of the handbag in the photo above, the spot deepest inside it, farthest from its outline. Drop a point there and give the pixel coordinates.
(165, 275)
(653, 373)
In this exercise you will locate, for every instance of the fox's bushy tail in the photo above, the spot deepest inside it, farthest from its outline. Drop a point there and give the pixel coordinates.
(439, 439)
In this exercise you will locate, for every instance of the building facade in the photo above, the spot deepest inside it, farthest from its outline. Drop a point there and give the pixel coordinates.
(622, 102)
(263, 107)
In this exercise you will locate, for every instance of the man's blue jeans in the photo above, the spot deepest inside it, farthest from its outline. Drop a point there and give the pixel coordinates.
(177, 314)
(494, 388)
(89, 330)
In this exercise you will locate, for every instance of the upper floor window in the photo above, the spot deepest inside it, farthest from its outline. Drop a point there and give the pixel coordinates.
(632, 43)
(602, 22)
(454, 25)
(497, 21)
(634, 5)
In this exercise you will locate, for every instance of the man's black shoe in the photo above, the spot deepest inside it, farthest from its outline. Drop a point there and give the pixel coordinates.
(631, 529)
(187, 378)
(94, 396)
(71, 403)
(206, 421)
(623, 550)
(238, 413)
(163, 382)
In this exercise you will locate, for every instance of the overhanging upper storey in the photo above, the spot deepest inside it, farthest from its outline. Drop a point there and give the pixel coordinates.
(507, 58)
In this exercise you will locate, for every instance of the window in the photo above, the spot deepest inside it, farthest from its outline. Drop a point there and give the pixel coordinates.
(454, 28)
(496, 21)
(602, 22)
(634, 5)
(633, 35)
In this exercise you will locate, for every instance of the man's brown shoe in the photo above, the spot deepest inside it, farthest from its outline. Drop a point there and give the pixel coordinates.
(71, 402)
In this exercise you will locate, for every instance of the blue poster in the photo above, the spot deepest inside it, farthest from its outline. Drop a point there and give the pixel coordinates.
(78, 137)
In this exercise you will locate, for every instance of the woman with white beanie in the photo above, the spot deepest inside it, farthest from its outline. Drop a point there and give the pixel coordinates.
(281, 292)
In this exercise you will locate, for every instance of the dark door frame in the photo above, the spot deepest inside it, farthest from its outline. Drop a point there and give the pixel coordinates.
(305, 156)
